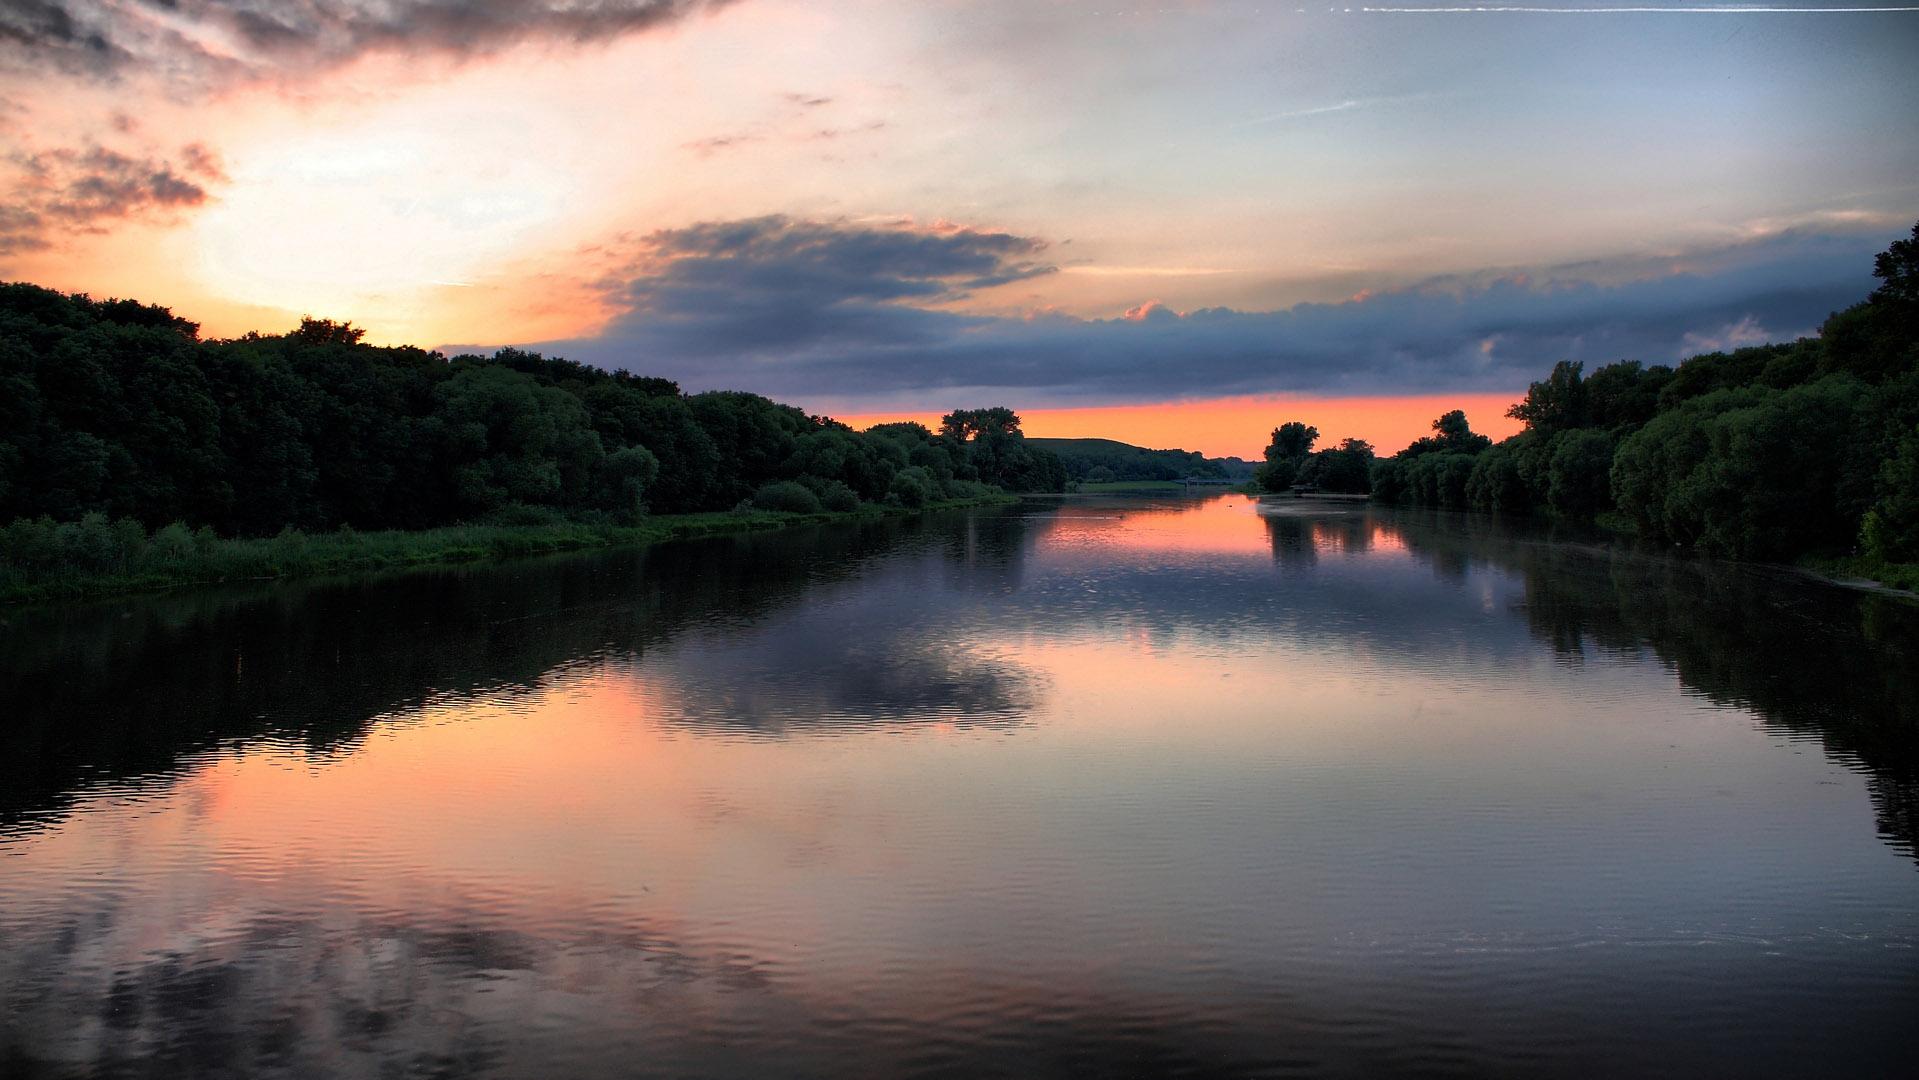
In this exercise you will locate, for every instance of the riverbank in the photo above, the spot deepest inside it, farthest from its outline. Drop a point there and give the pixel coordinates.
(110, 559)
(1856, 572)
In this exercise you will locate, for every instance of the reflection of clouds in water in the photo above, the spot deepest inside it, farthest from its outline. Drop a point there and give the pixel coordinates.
(348, 993)
(336, 996)
(1046, 905)
(895, 647)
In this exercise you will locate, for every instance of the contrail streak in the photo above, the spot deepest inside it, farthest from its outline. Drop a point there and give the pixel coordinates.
(1718, 10)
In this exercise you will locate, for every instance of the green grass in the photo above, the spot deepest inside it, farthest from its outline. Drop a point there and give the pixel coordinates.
(1860, 568)
(95, 557)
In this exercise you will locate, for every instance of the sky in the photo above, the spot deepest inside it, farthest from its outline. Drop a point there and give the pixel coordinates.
(1178, 224)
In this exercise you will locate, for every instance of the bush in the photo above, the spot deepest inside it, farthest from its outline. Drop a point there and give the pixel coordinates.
(787, 496)
(171, 546)
(912, 486)
(965, 489)
(838, 497)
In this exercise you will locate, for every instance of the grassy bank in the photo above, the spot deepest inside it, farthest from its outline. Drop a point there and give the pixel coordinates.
(96, 557)
(1858, 570)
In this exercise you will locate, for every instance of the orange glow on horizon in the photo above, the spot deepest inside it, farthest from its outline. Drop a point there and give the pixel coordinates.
(1241, 426)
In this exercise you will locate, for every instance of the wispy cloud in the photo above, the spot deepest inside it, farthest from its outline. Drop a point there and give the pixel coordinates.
(1295, 114)
(207, 43)
(1101, 270)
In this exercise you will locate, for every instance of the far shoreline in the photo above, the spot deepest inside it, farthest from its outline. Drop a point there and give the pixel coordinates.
(294, 556)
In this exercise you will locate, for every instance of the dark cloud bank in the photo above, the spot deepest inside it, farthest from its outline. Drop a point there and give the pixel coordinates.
(111, 38)
(851, 312)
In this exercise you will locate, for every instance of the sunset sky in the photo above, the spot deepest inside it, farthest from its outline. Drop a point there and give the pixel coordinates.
(1175, 224)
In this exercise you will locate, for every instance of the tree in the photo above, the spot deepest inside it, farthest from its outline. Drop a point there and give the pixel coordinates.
(961, 425)
(1897, 269)
(1891, 529)
(1580, 473)
(1346, 468)
(1555, 404)
(312, 331)
(1286, 456)
(1291, 441)
(1451, 435)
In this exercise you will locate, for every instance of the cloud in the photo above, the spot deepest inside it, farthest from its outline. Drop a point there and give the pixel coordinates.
(83, 189)
(858, 315)
(208, 42)
(789, 286)
(795, 123)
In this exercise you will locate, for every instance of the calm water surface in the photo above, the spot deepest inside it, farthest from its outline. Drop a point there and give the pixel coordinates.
(1084, 787)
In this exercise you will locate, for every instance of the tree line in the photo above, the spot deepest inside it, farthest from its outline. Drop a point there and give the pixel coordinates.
(1769, 452)
(1106, 460)
(118, 410)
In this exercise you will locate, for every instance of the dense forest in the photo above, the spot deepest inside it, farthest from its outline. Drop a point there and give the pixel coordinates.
(1106, 460)
(116, 413)
(1770, 452)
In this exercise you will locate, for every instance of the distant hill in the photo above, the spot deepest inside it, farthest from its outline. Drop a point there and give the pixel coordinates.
(1108, 459)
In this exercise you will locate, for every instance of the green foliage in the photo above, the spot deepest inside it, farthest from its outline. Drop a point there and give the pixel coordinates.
(1557, 403)
(1288, 457)
(838, 497)
(1277, 475)
(1496, 484)
(1291, 441)
(1890, 530)
(787, 496)
(1767, 452)
(1346, 468)
(1755, 474)
(963, 424)
(1897, 269)
(911, 487)
(1579, 473)
(1452, 435)
(1101, 461)
(119, 409)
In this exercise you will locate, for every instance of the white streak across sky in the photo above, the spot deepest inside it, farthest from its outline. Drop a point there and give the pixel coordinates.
(1719, 9)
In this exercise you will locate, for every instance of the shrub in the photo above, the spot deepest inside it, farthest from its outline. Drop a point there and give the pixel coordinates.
(787, 496)
(171, 546)
(912, 486)
(839, 497)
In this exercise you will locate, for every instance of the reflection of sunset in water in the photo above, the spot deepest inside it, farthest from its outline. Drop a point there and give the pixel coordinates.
(1155, 528)
(1175, 780)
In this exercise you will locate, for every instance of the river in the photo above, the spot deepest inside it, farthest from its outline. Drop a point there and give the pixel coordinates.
(1085, 786)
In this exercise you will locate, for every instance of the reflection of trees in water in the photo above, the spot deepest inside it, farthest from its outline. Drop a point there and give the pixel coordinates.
(985, 555)
(111, 693)
(1298, 537)
(1808, 658)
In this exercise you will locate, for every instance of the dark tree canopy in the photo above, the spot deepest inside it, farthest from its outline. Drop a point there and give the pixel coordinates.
(1770, 451)
(118, 408)
(964, 424)
(1291, 441)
